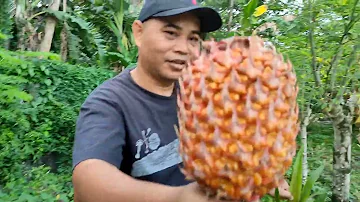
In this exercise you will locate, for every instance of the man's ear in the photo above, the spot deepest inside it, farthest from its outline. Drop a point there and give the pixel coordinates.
(137, 29)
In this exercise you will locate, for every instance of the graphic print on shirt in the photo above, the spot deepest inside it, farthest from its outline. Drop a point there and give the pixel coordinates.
(151, 141)
(158, 159)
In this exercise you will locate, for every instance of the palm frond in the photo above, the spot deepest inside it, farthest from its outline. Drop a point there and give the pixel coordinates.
(88, 27)
(7, 7)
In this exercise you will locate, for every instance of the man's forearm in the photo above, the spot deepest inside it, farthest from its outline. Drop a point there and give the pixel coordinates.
(97, 181)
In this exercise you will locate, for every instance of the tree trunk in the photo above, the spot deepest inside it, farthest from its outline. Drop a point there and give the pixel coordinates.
(64, 43)
(357, 113)
(304, 126)
(341, 117)
(230, 14)
(63, 36)
(342, 161)
(49, 28)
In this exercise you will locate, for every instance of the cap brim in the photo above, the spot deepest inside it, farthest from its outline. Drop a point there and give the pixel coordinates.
(210, 20)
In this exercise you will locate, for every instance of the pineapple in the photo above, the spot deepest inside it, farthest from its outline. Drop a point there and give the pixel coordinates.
(238, 118)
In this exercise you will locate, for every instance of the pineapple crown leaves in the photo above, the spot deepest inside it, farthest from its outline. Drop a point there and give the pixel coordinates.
(300, 192)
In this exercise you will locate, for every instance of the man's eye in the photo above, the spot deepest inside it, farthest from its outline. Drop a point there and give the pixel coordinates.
(194, 39)
(170, 32)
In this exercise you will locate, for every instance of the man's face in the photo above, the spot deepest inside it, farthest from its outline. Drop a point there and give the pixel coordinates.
(165, 44)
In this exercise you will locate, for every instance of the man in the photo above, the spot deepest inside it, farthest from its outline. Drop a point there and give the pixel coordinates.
(125, 145)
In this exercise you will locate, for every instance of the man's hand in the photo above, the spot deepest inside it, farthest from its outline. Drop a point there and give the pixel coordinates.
(193, 193)
(284, 191)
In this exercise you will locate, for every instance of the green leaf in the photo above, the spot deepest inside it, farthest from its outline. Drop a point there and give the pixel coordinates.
(31, 71)
(46, 196)
(313, 177)
(47, 82)
(3, 36)
(26, 197)
(357, 75)
(321, 198)
(23, 66)
(14, 93)
(277, 195)
(249, 8)
(37, 102)
(120, 5)
(50, 97)
(63, 198)
(296, 178)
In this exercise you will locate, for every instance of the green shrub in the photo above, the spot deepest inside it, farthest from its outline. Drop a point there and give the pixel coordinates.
(37, 184)
(39, 104)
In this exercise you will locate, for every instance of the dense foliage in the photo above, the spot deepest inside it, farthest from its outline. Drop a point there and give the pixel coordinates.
(41, 92)
(39, 103)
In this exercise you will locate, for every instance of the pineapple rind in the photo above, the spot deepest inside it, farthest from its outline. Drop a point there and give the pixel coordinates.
(238, 118)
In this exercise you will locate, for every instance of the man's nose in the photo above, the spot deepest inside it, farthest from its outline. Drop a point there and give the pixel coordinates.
(182, 46)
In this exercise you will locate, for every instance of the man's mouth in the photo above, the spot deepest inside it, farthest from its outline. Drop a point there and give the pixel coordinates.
(178, 63)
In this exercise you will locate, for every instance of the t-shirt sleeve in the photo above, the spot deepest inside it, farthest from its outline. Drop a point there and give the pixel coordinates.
(100, 132)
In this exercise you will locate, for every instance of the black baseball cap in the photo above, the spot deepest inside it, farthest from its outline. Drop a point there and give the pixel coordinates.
(210, 19)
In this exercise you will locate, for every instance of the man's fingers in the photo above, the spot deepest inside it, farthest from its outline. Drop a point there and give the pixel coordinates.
(285, 194)
(284, 185)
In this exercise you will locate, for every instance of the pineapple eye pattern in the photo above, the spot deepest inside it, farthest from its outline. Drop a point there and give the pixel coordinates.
(238, 118)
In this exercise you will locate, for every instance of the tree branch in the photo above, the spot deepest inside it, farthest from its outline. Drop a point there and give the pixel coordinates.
(312, 45)
(336, 57)
(346, 79)
(352, 60)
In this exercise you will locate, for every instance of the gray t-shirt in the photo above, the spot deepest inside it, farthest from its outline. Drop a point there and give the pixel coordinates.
(132, 129)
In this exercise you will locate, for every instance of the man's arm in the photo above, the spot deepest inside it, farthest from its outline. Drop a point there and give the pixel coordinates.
(98, 181)
(97, 155)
